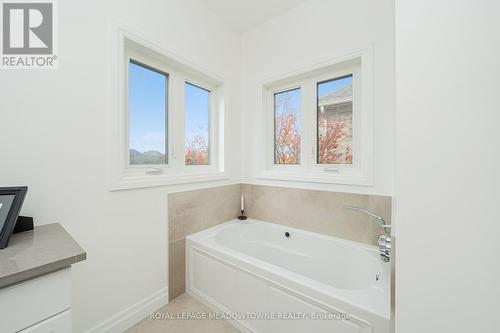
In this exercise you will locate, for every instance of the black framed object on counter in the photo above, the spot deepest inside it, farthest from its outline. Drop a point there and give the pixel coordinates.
(11, 201)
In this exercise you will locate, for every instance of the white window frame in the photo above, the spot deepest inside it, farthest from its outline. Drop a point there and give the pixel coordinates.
(212, 127)
(137, 169)
(360, 172)
(126, 176)
(271, 126)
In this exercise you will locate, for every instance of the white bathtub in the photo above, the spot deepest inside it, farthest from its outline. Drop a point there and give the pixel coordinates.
(264, 281)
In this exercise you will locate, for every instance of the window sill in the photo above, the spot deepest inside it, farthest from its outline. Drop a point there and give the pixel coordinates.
(316, 178)
(127, 183)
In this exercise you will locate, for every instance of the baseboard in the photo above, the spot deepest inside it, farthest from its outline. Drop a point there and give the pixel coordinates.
(133, 314)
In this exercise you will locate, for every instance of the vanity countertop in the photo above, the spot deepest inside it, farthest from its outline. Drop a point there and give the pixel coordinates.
(45, 249)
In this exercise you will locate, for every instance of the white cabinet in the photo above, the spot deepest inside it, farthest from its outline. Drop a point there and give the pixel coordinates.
(39, 305)
(60, 323)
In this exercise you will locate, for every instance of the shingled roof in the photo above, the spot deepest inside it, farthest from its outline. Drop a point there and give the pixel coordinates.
(341, 95)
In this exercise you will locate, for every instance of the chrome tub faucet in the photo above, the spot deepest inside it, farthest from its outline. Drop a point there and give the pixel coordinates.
(384, 241)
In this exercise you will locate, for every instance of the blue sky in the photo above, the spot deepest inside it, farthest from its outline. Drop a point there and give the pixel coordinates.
(293, 97)
(327, 87)
(196, 106)
(147, 99)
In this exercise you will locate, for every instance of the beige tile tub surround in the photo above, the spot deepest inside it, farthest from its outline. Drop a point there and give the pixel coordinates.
(190, 212)
(318, 211)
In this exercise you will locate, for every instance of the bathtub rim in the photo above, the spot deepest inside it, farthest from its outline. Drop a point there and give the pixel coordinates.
(235, 221)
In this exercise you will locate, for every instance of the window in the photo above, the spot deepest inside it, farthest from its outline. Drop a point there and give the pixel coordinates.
(334, 105)
(319, 125)
(167, 126)
(147, 104)
(197, 125)
(287, 127)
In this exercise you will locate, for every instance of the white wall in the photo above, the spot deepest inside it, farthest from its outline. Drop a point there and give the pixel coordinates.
(447, 166)
(316, 32)
(53, 134)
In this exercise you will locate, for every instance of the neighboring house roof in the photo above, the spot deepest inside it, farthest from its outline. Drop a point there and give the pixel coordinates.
(339, 96)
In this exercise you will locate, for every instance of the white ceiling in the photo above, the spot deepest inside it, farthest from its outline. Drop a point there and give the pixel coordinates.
(244, 15)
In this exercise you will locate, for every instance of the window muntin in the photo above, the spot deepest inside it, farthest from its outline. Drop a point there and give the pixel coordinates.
(335, 121)
(287, 127)
(147, 115)
(197, 124)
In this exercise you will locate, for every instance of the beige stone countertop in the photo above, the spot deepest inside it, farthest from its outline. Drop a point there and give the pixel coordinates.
(45, 249)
